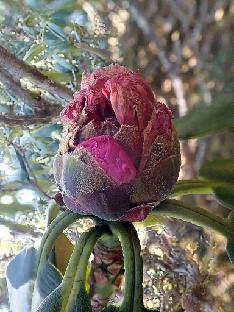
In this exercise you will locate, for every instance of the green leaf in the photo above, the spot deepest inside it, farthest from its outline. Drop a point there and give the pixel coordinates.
(52, 213)
(58, 77)
(224, 191)
(46, 131)
(63, 63)
(204, 120)
(225, 196)
(230, 249)
(196, 215)
(35, 50)
(47, 243)
(71, 295)
(19, 275)
(56, 30)
(152, 220)
(22, 165)
(186, 187)
(48, 279)
(221, 172)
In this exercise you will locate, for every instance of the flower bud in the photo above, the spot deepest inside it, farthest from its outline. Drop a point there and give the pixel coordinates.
(119, 150)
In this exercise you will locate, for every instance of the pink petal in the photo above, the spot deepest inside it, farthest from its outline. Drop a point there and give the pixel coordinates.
(131, 99)
(111, 158)
(72, 111)
(97, 78)
(159, 124)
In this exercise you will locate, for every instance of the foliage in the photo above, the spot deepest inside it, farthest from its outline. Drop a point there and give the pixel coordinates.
(65, 38)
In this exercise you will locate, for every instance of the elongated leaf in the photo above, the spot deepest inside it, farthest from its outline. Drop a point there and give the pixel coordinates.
(20, 276)
(49, 278)
(54, 75)
(56, 30)
(196, 215)
(225, 195)
(32, 52)
(230, 249)
(185, 187)
(52, 213)
(51, 303)
(221, 171)
(46, 131)
(230, 241)
(204, 120)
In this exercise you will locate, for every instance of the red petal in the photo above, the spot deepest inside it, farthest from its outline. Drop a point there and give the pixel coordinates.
(138, 213)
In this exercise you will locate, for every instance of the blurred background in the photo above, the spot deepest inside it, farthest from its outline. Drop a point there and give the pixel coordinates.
(184, 50)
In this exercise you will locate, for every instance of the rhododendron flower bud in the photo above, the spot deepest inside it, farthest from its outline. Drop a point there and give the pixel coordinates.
(119, 151)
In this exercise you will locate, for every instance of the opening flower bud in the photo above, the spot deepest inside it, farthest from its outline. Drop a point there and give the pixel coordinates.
(119, 150)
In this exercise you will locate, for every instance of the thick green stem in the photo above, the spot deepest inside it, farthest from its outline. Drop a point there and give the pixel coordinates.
(195, 215)
(186, 187)
(138, 289)
(121, 232)
(75, 275)
(54, 229)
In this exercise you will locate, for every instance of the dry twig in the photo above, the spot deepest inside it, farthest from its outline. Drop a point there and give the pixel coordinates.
(15, 89)
(20, 69)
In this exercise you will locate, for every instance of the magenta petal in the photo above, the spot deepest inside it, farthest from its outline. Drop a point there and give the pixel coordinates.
(138, 213)
(111, 157)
